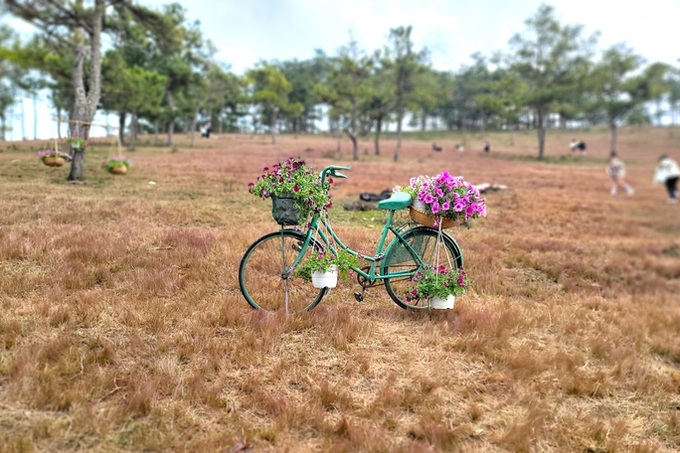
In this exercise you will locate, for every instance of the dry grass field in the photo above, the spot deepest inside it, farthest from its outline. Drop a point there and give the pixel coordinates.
(122, 327)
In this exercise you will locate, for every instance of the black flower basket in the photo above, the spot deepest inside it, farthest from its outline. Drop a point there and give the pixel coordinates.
(286, 210)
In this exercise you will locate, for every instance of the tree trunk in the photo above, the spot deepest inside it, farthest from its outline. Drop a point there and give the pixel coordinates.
(122, 117)
(85, 101)
(171, 131)
(540, 129)
(35, 116)
(23, 122)
(613, 133)
(77, 163)
(134, 125)
(355, 144)
(398, 148)
(376, 141)
(541, 142)
(192, 123)
(171, 123)
(272, 126)
(59, 123)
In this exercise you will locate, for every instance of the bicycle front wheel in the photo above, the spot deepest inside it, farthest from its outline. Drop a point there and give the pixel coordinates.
(262, 274)
(423, 242)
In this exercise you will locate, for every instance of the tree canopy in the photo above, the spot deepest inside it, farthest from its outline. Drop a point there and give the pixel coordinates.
(157, 72)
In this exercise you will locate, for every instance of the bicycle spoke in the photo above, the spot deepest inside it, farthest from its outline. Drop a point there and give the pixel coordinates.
(263, 275)
(431, 248)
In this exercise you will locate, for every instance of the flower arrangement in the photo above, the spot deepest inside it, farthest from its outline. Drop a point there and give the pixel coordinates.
(113, 163)
(445, 197)
(293, 177)
(42, 154)
(322, 262)
(76, 142)
(437, 281)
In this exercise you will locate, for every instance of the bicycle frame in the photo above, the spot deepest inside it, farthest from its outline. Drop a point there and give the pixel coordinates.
(328, 237)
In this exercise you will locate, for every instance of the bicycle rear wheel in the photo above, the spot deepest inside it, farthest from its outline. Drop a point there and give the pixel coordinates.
(398, 257)
(262, 269)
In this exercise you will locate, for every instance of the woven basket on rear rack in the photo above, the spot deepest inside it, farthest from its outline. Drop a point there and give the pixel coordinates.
(427, 220)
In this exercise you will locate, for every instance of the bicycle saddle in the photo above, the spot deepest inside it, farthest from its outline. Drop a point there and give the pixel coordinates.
(398, 200)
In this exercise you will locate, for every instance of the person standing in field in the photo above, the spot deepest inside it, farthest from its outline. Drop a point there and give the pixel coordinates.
(667, 172)
(616, 169)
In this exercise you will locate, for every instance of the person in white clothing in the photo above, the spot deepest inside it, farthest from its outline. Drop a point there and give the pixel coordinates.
(616, 169)
(667, 173)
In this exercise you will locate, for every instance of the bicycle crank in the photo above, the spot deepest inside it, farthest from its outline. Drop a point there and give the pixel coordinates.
(365, 283)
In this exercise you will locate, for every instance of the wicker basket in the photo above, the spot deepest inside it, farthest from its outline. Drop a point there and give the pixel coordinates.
(427, 220)
(119, 170)
(53, 161)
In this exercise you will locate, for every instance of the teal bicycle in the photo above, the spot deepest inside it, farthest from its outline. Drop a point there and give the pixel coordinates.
(266, 272)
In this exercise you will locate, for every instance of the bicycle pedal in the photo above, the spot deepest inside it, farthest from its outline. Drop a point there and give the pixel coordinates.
(358, 296)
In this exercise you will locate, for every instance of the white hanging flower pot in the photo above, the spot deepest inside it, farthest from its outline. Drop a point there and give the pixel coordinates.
(328, 279)
(443, 304)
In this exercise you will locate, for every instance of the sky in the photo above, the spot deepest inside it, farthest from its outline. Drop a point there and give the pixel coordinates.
(246, 32)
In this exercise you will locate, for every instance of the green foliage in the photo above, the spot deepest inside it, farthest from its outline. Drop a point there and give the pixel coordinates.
(269, 88)
(293, 177)
(160, 69)
(346, 89)
(303, 76)
(130, 88)
(619, 87)
(439, 282)
(406, 66)
(322, 262)
(76, 142)
(52, 153)
(114, 162)
(539, 60)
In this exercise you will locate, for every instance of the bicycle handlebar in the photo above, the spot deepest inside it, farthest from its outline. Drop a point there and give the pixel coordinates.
(332, 170)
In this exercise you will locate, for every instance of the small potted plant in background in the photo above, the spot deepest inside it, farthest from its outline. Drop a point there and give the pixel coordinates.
(53, 157)
(295, 189)
(116, 165)
(438, 286)
(75, 142)
(324, 267)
